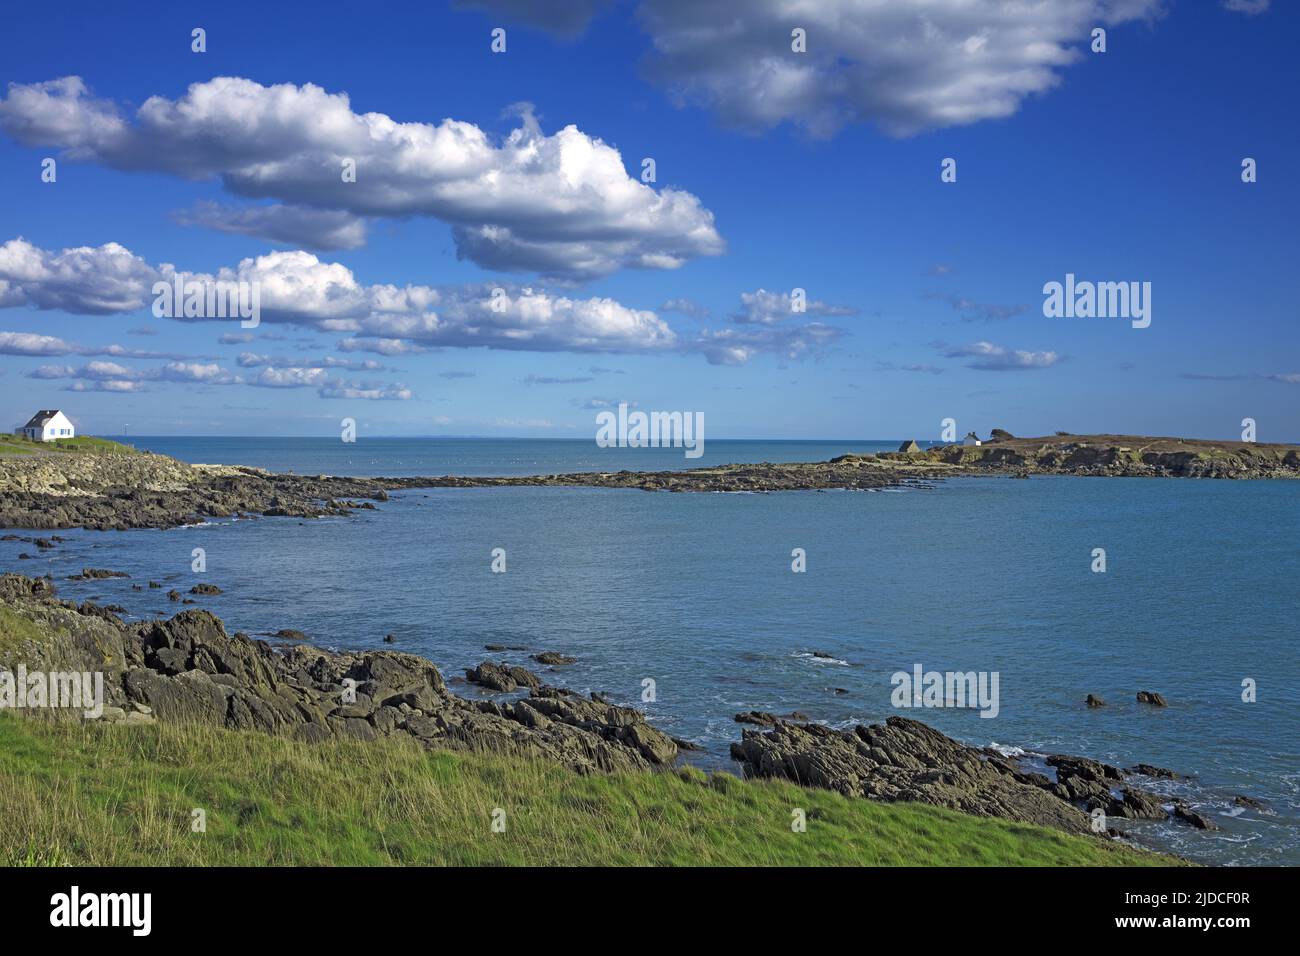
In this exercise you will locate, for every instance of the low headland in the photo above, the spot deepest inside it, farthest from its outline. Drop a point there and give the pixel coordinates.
(125, 490)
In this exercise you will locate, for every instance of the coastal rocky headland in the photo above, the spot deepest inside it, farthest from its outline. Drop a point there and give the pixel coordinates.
(153, 491)
(189, 669)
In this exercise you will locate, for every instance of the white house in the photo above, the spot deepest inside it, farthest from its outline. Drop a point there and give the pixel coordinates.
(972, 439)
(48, 425)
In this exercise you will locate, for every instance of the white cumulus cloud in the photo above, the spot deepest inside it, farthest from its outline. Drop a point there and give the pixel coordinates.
(560, 204)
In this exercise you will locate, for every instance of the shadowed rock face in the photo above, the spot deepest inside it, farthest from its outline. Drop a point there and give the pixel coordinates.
(188, 669)
(904, 760)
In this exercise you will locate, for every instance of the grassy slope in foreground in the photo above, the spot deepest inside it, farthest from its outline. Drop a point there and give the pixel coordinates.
(75, 794)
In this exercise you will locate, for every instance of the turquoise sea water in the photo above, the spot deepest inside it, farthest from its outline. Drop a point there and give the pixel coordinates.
(696, 592)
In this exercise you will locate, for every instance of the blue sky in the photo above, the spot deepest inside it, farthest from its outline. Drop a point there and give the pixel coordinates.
(774, 171)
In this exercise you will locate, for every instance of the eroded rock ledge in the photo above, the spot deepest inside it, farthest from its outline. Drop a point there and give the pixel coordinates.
(904, 760)
(189, 669)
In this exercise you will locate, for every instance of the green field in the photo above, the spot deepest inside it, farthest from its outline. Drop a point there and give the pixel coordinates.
(73, 794)
(11, 444)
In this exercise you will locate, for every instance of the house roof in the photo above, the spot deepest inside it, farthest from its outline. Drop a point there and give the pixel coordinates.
(41, 417)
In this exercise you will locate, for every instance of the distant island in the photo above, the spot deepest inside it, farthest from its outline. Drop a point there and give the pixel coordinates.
(101, 485)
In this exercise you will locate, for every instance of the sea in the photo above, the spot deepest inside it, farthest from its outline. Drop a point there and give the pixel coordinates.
(688, 605)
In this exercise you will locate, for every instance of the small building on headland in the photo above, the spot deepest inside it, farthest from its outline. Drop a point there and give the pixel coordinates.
(910, 448)
(972, 439)
(47, 425)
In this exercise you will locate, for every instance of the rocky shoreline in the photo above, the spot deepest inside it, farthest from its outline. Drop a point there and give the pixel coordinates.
(905, 760)
(189, 669)
(120, 492)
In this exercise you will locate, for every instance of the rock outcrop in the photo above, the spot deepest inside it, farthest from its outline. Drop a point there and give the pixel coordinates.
(188, 669)
(904, 760)
(1131, 456)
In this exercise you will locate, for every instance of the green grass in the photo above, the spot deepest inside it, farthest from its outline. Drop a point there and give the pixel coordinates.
(17, 445)
(16, 630)
(73, 794)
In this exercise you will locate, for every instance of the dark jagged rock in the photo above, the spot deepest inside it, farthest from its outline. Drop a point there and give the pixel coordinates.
(93, 574)
(207, 589)
(173, 595)
(1137, 805)
(760, 717)
(1093, 701)
(553, 658)
(1068, 767)
(1148, 770)
(1150, 697)
(502, 677)
(188, 668)
(390, 638)
(1185, 813)
(903, 760)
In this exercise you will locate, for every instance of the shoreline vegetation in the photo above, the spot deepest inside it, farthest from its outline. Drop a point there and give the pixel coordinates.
(112, 490)
(194, 717)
